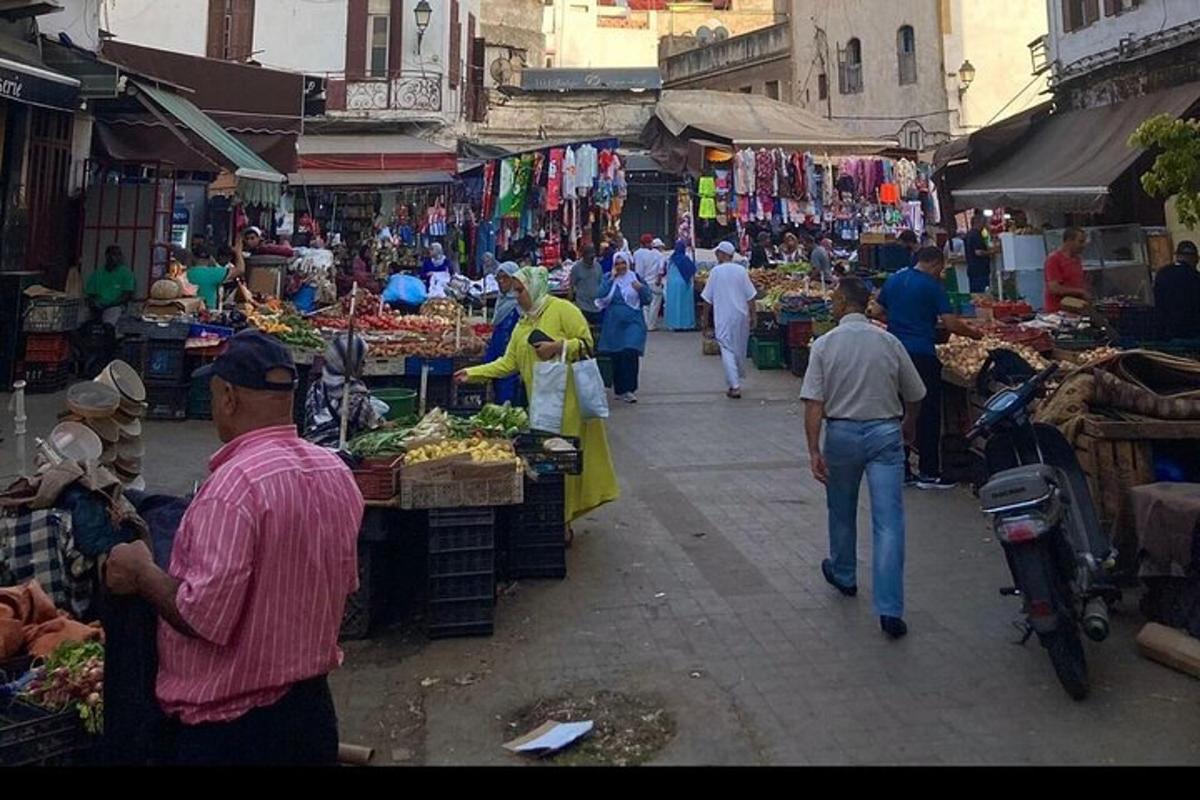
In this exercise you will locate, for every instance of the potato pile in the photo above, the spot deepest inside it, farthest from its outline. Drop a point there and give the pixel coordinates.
(965, 357)
(481, 451)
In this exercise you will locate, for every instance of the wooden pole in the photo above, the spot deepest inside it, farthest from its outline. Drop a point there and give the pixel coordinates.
(349, 377)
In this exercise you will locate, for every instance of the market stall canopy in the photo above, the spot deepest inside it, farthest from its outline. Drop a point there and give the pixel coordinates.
(1072, 158)
(257, 181)
(985, 145)
(749, 120)
(263, 108)
(372, 160)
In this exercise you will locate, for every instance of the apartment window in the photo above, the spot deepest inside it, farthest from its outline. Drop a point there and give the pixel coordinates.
(230, 29)
(822, 86)
(850, 77)
(772, 90)
(378, 36)
(906, 54)
(1077, 14)
(747, 90)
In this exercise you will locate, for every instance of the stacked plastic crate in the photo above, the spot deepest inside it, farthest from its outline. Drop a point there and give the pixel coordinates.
(461, 572)
(157, 352)
(48, 320)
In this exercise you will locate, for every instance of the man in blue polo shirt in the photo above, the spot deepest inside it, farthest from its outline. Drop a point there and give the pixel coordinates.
(915, 300)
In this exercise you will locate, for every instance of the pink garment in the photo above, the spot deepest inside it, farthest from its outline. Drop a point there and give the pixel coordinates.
(266, 556)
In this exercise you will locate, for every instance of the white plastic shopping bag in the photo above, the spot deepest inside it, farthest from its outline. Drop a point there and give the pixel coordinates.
(549, 394)
(589, 388)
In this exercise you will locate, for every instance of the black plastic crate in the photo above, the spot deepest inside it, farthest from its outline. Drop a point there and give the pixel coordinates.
(455, 588)
(362, 604)
(537, 560)
(471, 397)
(798, 361)
(460, 618)
(199, 399)
(461, 562)
(304, 374)
(43, 377)
(1138, 322)
(461, 517)
(30, 735)
(157, 360)
(167, 402)
(530, 446)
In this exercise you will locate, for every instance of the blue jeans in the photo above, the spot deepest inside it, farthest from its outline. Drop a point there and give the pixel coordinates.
(875, 447)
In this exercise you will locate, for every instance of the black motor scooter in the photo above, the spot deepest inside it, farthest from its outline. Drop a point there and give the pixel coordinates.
(1044, 517)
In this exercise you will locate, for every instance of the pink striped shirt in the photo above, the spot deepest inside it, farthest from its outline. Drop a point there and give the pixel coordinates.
(267, 554)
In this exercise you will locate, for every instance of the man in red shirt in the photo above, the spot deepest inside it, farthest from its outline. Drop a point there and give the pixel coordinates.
(260, 570)
(1064, 271)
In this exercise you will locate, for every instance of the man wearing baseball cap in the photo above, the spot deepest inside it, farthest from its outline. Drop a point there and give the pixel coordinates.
(265, 557)
(650, 266)
(729, 313)
(1177, 294)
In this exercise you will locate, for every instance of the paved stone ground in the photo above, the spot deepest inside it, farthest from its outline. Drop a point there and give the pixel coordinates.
(701, 588)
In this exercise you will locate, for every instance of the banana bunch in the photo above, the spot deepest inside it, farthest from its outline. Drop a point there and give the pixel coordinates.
(480, 450)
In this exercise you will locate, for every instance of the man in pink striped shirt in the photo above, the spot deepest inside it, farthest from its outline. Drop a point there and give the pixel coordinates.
(261, 567)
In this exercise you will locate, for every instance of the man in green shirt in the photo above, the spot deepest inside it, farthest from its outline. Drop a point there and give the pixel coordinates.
(209, 275)
(111, 287)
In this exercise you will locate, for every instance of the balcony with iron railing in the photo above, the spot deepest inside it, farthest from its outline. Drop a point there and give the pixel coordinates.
(416, 93)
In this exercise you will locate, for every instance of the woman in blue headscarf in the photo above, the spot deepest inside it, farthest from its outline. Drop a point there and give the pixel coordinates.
(680, 300)
(504, 321)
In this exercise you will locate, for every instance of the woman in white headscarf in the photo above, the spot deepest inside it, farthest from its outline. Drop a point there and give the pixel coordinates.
(435, 262)
(623, 334)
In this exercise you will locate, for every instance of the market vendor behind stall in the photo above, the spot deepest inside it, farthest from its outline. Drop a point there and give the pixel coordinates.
(339, 380)
(1064, 271)
(1177, 294)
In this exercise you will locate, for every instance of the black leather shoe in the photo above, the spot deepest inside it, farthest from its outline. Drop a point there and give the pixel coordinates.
(827, 571)
(893, 626)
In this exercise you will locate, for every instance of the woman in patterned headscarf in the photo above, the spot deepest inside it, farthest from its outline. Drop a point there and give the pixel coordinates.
(564, 323)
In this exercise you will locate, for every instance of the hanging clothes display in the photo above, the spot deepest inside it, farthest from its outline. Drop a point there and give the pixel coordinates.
(554, 180)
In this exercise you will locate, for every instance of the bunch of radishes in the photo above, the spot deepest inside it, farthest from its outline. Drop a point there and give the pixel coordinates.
(72, 675)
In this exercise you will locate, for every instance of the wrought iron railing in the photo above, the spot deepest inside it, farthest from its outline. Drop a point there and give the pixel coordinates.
(405, 91)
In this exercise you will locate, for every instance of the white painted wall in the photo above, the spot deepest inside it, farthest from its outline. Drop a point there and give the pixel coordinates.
(79, 19)
(300, 36)
(178, 25)
(997, 45)
(1148, 17)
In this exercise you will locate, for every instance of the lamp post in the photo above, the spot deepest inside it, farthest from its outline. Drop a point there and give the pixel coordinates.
(422, 13)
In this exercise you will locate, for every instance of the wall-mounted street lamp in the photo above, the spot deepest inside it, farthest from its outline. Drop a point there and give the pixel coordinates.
(422, 12)
(966, 76)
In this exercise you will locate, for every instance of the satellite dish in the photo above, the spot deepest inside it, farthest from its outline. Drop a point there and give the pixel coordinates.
(721, 33)
(704, 34)
(502, 71)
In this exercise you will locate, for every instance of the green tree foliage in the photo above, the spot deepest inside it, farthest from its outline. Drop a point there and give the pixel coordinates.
(1176, 169)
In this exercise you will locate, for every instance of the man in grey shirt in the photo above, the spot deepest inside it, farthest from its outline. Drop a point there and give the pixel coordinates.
(818, 256)
(859, 381)
(586, 275)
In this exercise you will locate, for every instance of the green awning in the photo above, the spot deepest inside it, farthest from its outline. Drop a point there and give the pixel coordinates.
(257, 181)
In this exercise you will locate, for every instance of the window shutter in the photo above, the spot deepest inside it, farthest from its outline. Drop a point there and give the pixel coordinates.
(241, 34)
(1091, 11)
(1112, 8)
(356, 40)
(1068, 16)
(455, 66)
(216, 29)
(396, 38)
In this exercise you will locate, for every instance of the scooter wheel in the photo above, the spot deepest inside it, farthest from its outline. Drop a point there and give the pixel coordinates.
(1070, 664)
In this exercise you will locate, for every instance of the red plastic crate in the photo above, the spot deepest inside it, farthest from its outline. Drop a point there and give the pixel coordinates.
(47, 347)
(799, 333)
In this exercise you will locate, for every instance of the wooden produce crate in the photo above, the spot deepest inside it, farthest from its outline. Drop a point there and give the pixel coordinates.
(1116, 456)
(379, 478)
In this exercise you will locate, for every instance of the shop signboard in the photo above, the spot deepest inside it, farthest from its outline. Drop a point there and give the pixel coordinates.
(34, 86)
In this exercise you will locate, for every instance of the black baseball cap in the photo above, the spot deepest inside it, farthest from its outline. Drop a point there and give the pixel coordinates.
(248, 357)
(1186, 248)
